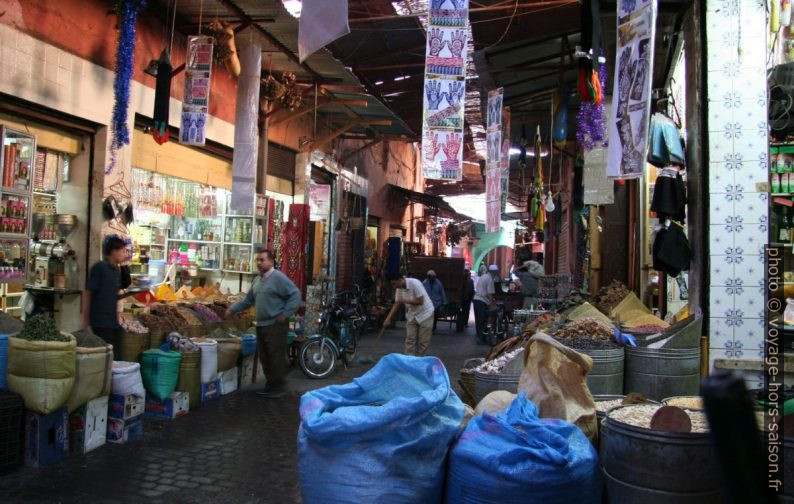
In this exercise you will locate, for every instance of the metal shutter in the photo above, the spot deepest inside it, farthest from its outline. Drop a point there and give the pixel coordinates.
(280, 161)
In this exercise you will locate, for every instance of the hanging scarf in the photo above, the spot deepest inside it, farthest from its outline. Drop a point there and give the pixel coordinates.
(162, 98)
(127, 11)
(538, 210)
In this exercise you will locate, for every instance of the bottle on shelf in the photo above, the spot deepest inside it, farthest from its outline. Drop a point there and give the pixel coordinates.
(784, 225)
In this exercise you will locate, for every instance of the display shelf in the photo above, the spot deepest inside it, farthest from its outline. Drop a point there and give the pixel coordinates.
(239, 272)
(785, 195)
(238, 216)
(13, 191)
(45, 194)
(781, 244)
(239, 244)
(14, 236)
(201, 242)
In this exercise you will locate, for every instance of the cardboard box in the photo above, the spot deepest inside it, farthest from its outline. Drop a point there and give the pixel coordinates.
(46, 437)
(210, 391)
(88, 426)
(126, 407)
(228, 380)
(175, 405)
(246, 376)
(122, 431)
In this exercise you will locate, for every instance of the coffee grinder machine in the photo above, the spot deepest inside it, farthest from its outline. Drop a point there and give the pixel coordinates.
(49, 265)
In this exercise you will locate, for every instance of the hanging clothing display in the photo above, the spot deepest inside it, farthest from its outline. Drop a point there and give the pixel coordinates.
(628, 123)
(669, 195)
(666, 145)
(671, 250)
(295, 236)
(162, 98)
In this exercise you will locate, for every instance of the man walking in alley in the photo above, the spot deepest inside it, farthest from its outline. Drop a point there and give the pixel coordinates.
(419, 311)
(529, 275)
(435, 289)
(276, 299)
(483, 298)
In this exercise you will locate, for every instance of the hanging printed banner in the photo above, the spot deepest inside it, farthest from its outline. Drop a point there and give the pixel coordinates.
(504, 160)
(628, 124)
(493, 161)
(195, 104)
(445, 89)
(493, 209)
(598, 188)
(319, 202)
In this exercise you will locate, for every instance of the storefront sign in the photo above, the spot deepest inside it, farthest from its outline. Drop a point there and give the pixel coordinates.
(445, 89)
(628, 124)
(195, 104)
(319, 202)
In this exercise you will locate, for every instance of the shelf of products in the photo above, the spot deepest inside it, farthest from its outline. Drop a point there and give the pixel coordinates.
(18, 159)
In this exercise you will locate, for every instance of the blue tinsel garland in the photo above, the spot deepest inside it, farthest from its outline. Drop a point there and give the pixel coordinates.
(128, 13)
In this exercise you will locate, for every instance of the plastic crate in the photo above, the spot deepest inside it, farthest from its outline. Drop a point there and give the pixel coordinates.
(11, 410)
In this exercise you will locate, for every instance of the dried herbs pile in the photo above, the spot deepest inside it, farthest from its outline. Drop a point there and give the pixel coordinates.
(206, 313)
(87, 339)
(131, 324)
(586, 333)
(9, 324)
(41, 328)
(169, 313)
(608, 297)
(155, 323)
(190, 316)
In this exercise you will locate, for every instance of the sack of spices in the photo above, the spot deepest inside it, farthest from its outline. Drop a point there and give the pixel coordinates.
(160, 372)
(127, 379)
(92, 369)
(517, 457)
(42, 371)
(394, 424)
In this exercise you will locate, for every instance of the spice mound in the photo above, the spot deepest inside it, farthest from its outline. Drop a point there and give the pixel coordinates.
(87, 339)
(41, 328)
(498, 365)
(640, 415)
(604, 406)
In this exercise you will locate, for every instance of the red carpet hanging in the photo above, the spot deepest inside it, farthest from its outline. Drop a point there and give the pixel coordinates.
(631, 95)
(445, 89)
(295, 235)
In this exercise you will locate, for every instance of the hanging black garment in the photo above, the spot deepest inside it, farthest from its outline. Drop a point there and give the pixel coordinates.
(669, 196)
(162, 98)
(671, 251)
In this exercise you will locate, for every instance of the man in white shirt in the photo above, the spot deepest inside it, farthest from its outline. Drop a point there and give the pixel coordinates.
(483, 297)
(419, 311)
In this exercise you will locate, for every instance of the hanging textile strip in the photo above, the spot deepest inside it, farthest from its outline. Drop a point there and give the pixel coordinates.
(295, 238)
(445, 89)
(493, 173)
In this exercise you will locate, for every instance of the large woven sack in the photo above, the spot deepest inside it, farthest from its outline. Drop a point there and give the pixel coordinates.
(393, 425)
(496, 402)
(92, 375)
(160, 372)
(209, 359)
(228, 352)
(132, 345)
(555, 378)
(127, 379)
(190, 377)
(42, 372)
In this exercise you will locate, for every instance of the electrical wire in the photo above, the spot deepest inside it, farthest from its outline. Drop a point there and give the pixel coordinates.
(507, 29)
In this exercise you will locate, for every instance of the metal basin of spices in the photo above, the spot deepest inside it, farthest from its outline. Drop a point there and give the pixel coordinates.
(606, 377)
(657, 373)
(647, 466)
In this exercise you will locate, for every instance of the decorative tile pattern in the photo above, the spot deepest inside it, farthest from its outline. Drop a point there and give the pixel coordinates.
(738, 159)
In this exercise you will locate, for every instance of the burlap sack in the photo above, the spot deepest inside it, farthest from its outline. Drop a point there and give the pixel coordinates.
(555, 378)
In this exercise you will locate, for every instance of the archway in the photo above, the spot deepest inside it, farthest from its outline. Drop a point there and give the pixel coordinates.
(487, 243)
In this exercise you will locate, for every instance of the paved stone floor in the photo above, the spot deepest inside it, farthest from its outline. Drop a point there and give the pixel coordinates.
(240, 448)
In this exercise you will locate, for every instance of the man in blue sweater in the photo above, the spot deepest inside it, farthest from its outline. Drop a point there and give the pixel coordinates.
(276, 299)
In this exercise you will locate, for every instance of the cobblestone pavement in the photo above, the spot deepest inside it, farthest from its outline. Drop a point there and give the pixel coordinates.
(240, 448)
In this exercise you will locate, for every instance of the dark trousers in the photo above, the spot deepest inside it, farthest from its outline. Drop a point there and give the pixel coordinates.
(463, 316)
(112, 336)
(480, 318)
(435, 318)
(272, 342)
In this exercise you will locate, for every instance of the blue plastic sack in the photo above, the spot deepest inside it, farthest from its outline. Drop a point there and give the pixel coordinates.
(247, 345)
(383, 438)
(3, 361)
(516, 457)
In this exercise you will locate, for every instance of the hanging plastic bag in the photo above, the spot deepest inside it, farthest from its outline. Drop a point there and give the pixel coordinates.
(517, 457)
(392, 427)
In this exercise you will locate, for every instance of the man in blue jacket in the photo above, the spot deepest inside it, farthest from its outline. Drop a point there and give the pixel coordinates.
(435, 289)
(276, 299)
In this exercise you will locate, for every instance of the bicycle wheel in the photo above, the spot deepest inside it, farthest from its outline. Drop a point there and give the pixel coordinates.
(317, 359)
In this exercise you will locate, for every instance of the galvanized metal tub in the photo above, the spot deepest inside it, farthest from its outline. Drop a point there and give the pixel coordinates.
(606, 377)
(657, 373)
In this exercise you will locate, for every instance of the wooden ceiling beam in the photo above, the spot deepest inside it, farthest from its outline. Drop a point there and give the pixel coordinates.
(330, 137)
(312, 107)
